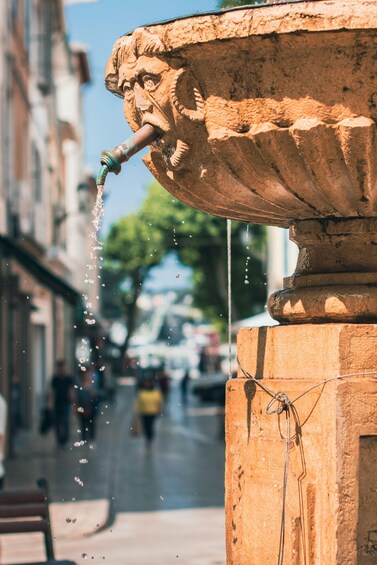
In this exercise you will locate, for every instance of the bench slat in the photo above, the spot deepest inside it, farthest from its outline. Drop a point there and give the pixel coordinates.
(59, 562)
(23, 510)
(22, 496)
(19, 527)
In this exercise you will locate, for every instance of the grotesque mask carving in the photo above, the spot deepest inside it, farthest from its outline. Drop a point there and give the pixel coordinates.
(158, 90)
(245, 131)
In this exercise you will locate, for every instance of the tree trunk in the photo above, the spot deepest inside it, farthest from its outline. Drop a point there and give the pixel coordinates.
(220, 270)
(131, 310)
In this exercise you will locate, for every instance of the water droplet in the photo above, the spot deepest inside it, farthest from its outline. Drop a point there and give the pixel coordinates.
(84, 556)
(79, 443)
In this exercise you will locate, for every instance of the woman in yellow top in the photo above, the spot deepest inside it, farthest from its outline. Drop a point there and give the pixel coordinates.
(148, 406)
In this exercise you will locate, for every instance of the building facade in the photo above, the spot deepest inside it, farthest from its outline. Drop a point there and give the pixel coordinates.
(45, 197)
(281, 257)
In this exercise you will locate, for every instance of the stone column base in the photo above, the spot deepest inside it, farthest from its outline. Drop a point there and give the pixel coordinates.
(336, 274)
(331, 503)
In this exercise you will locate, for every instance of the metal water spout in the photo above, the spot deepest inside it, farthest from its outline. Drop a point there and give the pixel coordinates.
(112, 161)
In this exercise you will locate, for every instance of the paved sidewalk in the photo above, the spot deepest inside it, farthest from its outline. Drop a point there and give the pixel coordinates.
(79, 480)
(169, 537)
(87, 523)
(79, 477)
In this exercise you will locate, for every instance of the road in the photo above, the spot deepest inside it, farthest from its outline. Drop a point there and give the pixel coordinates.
(185, 468)
(165, 504)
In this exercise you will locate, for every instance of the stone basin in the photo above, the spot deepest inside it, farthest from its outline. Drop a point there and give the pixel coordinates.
(268, 115)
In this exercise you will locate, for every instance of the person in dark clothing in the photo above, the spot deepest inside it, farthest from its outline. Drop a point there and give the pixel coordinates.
(87, 405)
(62, 395)
(163, 382)
(184, 386)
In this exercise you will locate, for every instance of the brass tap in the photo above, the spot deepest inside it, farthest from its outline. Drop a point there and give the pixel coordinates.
(111, 161)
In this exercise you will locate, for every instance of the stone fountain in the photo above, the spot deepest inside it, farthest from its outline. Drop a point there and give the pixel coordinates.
(268, 114)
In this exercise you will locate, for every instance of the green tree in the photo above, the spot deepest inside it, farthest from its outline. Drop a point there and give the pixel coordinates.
(131, 249)
(200, 241)
(235, 3)
(163, 225)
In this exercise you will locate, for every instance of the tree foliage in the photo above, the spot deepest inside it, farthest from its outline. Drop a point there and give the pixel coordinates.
(131, 250)
(163, 225)
(200, 241)
(234, 3)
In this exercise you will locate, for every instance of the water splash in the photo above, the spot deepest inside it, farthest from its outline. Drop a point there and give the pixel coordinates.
(246, 280)
(93, 271)
(79, 481)
(98, 209)
(229, 254)
(175, 237)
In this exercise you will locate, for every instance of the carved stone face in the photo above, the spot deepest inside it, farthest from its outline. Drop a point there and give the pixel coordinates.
(147, 93)
(157, 91)
(246, 132)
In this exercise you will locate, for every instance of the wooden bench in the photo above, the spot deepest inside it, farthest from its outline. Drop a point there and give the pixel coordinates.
(27, 511)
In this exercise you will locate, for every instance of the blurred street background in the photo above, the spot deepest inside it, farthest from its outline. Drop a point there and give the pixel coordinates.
(162, 505)
(154, 304)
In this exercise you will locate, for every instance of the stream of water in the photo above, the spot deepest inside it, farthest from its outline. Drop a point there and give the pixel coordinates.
(229, 255)
(246, 279)
(93, 271)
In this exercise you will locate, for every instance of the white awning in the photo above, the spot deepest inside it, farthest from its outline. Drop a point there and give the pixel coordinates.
(263, 319)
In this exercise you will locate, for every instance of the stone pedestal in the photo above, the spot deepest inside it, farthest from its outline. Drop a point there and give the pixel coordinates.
(331, 504)
(336, 274)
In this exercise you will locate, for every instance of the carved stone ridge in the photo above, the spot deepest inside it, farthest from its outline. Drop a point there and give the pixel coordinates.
(266, 114)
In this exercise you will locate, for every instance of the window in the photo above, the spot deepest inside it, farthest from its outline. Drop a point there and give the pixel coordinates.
(27, 24)
(44, 62)
(36, 177)
(15, 6)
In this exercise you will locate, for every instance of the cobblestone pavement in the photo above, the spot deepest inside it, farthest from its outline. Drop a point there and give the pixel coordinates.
(123, 503)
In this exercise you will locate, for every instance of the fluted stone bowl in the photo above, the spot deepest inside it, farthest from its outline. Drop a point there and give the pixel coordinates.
(267, 114)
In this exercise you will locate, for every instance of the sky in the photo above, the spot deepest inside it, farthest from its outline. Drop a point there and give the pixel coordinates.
(97, 25)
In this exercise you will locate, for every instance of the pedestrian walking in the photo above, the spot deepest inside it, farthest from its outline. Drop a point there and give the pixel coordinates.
(149, 402)
(184, 386)
(62, 397)
(3, 423)
(87, 405)
(163, 382)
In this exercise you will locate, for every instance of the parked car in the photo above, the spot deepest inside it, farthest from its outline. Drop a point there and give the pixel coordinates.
(210, 388)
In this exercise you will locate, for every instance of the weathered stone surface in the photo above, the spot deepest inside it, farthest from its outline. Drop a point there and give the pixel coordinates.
(268, 114)
(331, 509)
(336, 275)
